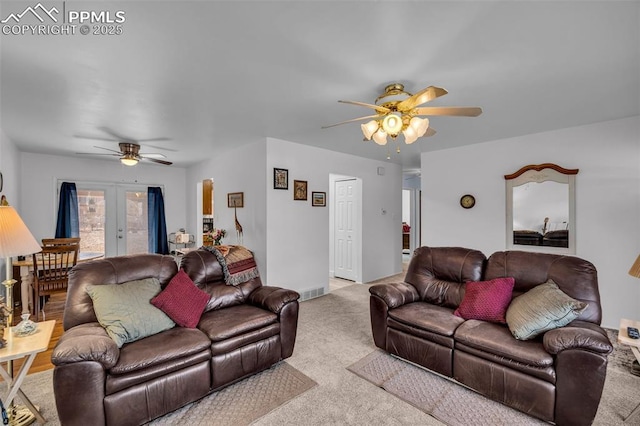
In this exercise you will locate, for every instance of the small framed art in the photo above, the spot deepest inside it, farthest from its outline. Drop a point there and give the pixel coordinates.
(300, 190)
(235, 199)
(280, 178)
(319, 199)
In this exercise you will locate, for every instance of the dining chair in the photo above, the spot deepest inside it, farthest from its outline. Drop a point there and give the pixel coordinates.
(60, 241)
(51, 272)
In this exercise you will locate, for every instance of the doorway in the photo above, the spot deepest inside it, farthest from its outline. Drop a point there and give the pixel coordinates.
(346, 228)
(113, 218)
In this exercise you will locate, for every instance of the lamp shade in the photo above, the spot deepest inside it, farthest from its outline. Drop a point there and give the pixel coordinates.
(392, 124)
(635, 268)
(410, 135)
(15, 237)
(369, 128)
(380, 137)
(129, 160)
(420, 125)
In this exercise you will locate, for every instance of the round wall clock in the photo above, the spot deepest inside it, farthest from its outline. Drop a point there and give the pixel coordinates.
(467, 201)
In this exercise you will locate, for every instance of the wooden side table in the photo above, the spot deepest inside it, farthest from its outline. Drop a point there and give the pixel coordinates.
(634, 344)
(26, 347)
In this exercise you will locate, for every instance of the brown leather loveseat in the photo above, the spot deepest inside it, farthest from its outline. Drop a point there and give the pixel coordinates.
(557, 376)
(247, 328)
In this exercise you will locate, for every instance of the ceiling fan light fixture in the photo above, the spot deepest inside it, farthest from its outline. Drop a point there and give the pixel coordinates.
(410, 135)
(369, 128)
(392, 124)
(420, 125)
(380, 137)
(129, 160)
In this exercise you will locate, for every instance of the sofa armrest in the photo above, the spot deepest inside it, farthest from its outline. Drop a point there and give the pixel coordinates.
(577, 335)
(272, 298)
(395, 294)
(86, 342)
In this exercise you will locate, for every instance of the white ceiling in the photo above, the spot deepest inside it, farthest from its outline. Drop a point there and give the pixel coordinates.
(211, 75)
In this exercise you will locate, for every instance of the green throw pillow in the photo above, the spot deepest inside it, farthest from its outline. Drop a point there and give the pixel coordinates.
(542, 308)
(125, 311)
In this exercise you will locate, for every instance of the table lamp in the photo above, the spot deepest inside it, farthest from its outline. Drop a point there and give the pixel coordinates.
(15, 240)
(635, 268)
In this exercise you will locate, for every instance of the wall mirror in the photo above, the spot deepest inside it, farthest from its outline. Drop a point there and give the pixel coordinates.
(541, 209)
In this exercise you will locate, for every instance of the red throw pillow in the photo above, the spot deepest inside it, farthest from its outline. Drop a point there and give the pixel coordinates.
(182, 301)
(486, 300)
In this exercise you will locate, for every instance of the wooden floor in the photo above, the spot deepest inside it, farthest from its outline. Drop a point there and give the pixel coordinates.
(53, 309)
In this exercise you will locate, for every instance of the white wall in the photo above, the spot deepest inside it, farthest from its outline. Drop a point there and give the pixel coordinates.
(10, 168)
(298, 240)
(39, 175)
(607, 199)
(238, 170)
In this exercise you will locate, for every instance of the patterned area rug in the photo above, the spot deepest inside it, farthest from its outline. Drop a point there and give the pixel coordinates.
(456, 405)
(238, 404)
(448, 402)
(245, 401)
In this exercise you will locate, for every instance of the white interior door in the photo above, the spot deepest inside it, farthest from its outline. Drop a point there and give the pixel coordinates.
(345, 229)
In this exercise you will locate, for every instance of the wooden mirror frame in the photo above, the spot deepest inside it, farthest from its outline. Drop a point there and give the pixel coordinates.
(541, 173)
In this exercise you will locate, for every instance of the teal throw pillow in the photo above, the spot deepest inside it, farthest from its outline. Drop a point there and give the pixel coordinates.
(540, 309)
(125, 311)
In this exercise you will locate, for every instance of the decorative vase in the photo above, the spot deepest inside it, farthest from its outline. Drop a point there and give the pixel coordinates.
(25, 327)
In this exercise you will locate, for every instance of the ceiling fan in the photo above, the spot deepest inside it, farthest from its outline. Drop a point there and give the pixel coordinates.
(398, 111)
(129, 152)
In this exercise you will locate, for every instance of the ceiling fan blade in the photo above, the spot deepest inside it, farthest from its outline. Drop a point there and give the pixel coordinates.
(159, 147)
(153, 140)
(108, 149)
(97, 153)
(152, 155)
(114, 134)
(430, 132)
(425, 95)
(166, 163)
(94, 138)
(379, 109)
(455, 111)
(352, 120)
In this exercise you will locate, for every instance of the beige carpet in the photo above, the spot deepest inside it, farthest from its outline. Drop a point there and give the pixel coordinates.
(334, 332)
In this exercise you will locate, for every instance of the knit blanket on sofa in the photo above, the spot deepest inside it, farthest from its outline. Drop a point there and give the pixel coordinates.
(238, 264)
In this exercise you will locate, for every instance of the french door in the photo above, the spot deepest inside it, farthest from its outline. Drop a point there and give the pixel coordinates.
(113, 218)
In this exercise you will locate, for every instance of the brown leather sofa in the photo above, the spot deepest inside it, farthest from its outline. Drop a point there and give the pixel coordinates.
(249, 328)
(557, 377)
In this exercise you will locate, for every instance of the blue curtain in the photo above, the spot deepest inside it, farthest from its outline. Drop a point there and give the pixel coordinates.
(68, 225)
(157, 225)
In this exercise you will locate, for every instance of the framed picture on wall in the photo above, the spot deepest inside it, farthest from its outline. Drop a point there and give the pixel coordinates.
(319, 199)
(235, 199)
(300, 190)
(280, 178)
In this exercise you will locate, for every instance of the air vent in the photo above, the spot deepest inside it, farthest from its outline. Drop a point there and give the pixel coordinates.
(311, 294)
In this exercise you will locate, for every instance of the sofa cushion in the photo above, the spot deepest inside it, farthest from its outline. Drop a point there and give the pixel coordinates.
(228, 322)
(486, 300)
(125, 311)
(158, 355)
(425, 316)
(182, 301)
(542, 308)
(497, 340)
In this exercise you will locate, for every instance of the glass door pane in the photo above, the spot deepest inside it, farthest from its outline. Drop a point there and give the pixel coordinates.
(91, 211)
(137, 235)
